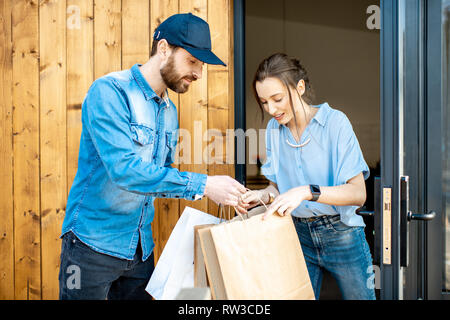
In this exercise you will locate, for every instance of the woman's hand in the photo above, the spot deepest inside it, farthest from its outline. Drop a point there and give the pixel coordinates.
(253, 198)
(285, 203)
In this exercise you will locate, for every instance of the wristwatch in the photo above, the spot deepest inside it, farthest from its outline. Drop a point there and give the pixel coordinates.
(315, 190)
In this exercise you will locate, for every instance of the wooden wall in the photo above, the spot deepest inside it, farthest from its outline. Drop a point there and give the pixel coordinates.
(50, 52)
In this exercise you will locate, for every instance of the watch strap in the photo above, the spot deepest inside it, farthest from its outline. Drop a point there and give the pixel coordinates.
(315, 191)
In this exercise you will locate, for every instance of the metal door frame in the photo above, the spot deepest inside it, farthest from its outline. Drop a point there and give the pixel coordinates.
(389, 122)
(239, 83)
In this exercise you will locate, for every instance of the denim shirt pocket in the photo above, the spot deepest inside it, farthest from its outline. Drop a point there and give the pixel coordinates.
(171, 145)
(144, 141)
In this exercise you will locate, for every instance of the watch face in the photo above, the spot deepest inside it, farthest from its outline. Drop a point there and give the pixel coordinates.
(315, 189)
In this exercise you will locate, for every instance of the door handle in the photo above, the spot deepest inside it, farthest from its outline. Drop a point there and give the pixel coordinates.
(363, 212)
(421, 216)
(406, 217)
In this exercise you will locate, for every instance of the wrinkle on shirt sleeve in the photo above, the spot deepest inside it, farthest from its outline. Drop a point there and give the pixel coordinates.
(107, 119)
(269, 168)
(350, 159)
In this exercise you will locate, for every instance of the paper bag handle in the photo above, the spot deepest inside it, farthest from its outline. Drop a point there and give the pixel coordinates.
(221, 208)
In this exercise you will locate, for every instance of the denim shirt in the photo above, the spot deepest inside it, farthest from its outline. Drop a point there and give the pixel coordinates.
(330, 158)
(128, 140)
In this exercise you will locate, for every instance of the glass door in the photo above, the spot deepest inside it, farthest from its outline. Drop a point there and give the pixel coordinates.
(437, 234)
(446, 145)
(414, 219)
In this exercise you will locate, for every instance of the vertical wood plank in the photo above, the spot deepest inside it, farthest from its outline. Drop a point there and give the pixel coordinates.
(6, 163)
(107, 37)
(135, 32)
(52, 30)
(160, 10)
(80, 74)
(218, 89)
(27, 240)
(194, 111)
(166, 210)
(219, 20)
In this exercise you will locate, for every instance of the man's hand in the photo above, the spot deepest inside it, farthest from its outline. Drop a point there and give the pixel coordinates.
(225, 190)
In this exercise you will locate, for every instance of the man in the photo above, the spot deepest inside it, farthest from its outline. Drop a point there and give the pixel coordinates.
(127, 144)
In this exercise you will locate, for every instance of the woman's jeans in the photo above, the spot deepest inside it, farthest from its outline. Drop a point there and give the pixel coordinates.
(86, 274)
(329, 244)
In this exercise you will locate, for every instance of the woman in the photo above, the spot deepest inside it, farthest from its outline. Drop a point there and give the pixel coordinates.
(316, 171)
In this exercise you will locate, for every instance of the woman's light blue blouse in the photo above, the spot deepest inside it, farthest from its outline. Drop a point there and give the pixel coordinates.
(331, 158)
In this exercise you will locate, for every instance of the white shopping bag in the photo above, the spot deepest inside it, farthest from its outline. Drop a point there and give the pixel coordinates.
(175, 267)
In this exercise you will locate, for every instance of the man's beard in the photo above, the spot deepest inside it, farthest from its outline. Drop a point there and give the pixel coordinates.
(172, 78)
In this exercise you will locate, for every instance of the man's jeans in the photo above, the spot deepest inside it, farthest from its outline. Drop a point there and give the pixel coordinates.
(329, 244)
(89, 275)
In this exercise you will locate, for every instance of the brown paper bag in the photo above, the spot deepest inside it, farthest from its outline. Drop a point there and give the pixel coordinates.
(211, 263)
(206, 266)
(249, 214)
(200, 279)
(259, 259)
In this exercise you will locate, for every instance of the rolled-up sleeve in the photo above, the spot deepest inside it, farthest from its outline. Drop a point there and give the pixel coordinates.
(350, 160)
(106, 116)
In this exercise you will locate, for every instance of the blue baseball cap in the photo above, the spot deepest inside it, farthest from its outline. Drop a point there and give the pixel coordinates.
(190, 33)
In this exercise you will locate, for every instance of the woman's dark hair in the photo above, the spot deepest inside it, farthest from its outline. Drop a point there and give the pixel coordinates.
(289, 71)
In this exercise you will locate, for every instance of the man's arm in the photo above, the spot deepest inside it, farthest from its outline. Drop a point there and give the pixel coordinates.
(106, 117)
